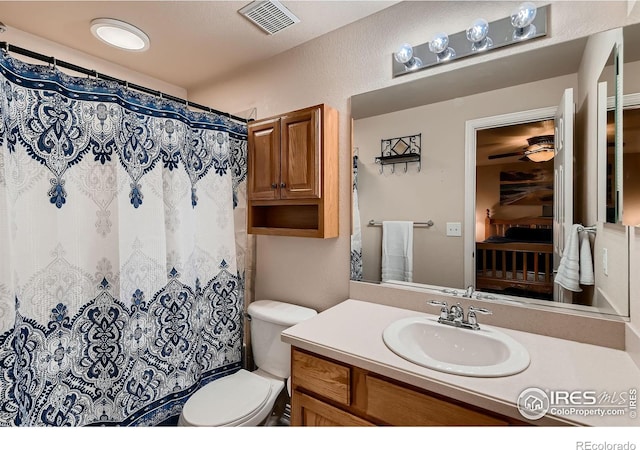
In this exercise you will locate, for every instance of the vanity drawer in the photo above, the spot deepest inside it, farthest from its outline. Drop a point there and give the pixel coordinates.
(397, 405)
(320, 376)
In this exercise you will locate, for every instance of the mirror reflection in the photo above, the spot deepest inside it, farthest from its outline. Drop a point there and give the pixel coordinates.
(510, 112)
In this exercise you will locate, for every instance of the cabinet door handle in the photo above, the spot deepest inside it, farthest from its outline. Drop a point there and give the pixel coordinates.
(283, 185)
(274, 185)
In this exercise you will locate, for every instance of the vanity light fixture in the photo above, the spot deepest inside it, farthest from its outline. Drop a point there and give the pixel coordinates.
(522, 20)
(477, 34)
(540, 148)
(120, 34)
(527, 22)
(439, 45)
(404, 55)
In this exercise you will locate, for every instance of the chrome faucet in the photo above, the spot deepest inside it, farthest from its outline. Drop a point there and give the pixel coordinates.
(468, 293)
(454, 316)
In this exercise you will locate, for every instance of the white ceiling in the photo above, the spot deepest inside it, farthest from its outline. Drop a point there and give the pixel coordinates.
(192, 42)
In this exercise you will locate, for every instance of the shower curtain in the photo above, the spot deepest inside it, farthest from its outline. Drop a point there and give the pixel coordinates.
(356, 234)
(120, 287)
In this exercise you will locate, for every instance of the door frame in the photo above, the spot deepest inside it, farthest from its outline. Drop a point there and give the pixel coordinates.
(471, 127)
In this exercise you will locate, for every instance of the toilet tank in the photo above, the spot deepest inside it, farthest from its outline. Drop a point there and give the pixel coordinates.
(269, 318)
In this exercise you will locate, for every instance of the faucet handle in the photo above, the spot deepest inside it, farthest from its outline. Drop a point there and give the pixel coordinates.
(472, 318)
(444, 311)
(473, 309)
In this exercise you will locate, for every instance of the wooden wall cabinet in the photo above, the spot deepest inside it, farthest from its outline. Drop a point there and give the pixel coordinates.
(331, 393)
(293, 174)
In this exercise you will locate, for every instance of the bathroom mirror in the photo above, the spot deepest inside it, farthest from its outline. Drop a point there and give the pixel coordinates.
(610, 119)
(631, 130)
(525, 87)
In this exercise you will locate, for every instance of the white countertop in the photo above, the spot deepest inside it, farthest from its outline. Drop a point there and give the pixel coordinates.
(351, 332)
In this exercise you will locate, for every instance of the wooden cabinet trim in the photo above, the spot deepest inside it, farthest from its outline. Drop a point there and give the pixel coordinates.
(398, 405)
(326, 378)
(383, 401)
(310, 411)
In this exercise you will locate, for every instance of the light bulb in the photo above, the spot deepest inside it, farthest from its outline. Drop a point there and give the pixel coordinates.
(405, 56)
(478, 30)
(439, 43)
(523, 16)
(477, 34)
(440, 46)
(522, 20)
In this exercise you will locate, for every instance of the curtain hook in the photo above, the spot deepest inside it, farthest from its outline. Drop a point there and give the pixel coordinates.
(55, 64)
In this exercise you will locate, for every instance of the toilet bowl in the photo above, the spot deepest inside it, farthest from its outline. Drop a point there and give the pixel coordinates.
(247, 398)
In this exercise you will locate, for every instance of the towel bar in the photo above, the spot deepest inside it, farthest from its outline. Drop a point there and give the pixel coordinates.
(427, 224)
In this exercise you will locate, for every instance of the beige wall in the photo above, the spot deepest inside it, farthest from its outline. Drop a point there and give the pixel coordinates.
(437, 191)
(353, 60)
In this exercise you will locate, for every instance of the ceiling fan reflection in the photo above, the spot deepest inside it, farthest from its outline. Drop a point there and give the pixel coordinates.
(540, 149)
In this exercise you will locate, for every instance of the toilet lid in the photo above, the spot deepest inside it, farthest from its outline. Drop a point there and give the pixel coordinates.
(227, 399)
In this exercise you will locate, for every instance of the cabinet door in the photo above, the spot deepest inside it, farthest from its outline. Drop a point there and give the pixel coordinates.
(311, 412)
(264, 160)
(300, 163)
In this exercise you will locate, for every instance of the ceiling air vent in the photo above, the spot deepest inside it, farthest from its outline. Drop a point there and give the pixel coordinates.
(270, 16)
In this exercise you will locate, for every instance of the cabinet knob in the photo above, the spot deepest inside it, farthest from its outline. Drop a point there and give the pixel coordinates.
(282, 185)
(274, 185)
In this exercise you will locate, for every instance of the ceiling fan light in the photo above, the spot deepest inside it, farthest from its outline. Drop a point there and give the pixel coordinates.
(120, 34)
(540, 155)
(541, 148)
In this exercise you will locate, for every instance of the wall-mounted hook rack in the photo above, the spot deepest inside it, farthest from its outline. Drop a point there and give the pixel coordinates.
(405, 149)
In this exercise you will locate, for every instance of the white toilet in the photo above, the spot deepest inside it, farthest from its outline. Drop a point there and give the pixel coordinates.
(247, 398)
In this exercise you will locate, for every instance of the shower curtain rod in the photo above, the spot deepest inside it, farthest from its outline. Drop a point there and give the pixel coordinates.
(55, 62)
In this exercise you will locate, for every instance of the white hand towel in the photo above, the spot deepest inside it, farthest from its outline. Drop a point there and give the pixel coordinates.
(586, 263)
(397, 250)
(568, 275)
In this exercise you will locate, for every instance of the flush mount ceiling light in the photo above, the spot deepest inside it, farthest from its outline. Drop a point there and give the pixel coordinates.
(541, 148)
(120, 34)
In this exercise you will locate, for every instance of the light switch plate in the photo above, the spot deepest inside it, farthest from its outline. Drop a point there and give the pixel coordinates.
(454, 229)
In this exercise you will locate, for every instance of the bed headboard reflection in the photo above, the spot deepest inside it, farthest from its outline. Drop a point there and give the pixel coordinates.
(499, 227)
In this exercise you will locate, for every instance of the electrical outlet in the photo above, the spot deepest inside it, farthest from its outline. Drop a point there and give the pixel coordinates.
(605, 262)
(454, 229)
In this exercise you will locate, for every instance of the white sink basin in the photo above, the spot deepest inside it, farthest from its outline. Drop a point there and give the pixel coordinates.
(476, 353)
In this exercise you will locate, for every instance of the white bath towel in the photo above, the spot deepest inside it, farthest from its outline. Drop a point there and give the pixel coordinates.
(568, 275)
(397, 250)
(576, 264)
(586, 262)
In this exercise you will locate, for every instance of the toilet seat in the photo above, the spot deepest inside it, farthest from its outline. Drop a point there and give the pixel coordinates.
(228, 401)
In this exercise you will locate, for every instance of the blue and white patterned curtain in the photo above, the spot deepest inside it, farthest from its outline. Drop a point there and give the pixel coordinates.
(356, 234)
(120, 289)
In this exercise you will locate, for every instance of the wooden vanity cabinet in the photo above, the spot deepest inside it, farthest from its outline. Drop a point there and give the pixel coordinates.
(293, 174)
(330, 393)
